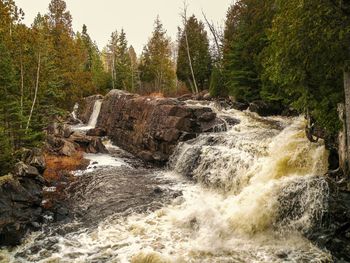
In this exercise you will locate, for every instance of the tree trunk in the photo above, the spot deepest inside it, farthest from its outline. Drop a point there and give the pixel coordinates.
(35, 93)
(113, 69)
(190, 63)
(22, 88)
(184, 17)
(347, 114)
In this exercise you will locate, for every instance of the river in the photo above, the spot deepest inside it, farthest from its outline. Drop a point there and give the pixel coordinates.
(244, 194)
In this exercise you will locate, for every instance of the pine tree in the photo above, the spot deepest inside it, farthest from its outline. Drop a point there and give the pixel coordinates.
(135, 76)
(156, 67)
(119, 62)
(93, 62)
(199, 53)
(245, 38)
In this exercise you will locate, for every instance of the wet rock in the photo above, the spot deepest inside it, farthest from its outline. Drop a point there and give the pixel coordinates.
(72, 121)
(158, 190)
(185, 97)
(61, 213)
(187, 136)
(265, 109)
(35, 157)
(151, 127)
(239, 105)
(207, 116)
(89, 144)
(203, 95)
(230, 120)
(68, 148)
(216, 125)
(20, 205)
(66, 131)
(96, 146)
(333, 231)
(23, 170)
(77, 141)
(96, 132)
(59, 128)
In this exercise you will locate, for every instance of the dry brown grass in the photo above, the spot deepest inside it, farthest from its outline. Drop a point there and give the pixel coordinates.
(156, 95)
(58, 166)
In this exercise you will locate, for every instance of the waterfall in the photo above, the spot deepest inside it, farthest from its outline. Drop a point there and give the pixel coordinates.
(95, 113)
(74, 112)
(248, 195)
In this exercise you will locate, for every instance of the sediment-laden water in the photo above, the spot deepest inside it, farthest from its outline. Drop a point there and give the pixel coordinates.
(242, 195)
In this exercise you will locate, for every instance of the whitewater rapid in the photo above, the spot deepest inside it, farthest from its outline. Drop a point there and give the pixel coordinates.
(247, 194)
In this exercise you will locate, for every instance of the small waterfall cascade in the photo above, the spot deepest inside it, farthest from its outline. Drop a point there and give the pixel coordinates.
(270, 174)
(249, 193)
(74, 112)
(95, 113)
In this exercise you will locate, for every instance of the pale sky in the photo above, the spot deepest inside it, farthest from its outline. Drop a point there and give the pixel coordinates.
(102, 17)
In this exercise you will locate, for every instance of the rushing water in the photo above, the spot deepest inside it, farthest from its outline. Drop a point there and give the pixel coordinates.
(243, 195)
(93, 118)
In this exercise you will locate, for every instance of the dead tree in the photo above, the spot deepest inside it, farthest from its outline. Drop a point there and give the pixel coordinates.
(184, 19)
(35, 93)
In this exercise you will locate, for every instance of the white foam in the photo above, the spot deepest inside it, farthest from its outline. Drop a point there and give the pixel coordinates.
(101, 160)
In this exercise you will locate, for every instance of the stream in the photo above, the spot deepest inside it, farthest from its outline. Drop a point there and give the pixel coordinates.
(247, 194)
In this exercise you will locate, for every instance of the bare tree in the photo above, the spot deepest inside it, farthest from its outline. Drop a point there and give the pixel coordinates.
(22, 86)
(214, 32)
(184, 19)
(35, 93)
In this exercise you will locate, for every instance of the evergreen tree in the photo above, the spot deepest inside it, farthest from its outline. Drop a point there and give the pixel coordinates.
(119, 61)
(92, 61)
(199, 52)
(309, 43)
(156, 68)
(245, 38)
(135, 76)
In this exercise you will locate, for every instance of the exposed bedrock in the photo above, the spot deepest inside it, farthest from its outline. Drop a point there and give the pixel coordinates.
(149, 127)
(20, 198)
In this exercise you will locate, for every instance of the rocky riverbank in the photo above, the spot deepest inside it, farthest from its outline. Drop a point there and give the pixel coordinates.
(21, 195)
(149, 127)
(26, 195)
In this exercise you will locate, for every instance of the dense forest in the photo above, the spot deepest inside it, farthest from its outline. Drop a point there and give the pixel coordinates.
(288, 52)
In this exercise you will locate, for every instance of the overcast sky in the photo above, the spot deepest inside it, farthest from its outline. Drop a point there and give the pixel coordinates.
(135, 16)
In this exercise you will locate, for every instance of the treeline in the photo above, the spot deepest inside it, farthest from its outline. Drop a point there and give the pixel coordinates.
(286, 52)
(44, 69)
(289, 52)
(163, 66)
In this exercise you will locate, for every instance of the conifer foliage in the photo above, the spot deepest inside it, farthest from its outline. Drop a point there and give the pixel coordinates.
(44, 70)
(198, 45)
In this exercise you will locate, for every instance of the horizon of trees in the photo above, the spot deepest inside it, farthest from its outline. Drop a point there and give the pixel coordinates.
(291, 53)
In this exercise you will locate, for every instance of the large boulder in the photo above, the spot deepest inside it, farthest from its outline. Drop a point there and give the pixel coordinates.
(151, 127)
(89, 144)
(21, 195)
(333, 232)
(265, 109)
(96, 132)
(63, 141)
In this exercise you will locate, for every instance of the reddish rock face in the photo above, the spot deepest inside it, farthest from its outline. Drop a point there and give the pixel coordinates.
(151, 127)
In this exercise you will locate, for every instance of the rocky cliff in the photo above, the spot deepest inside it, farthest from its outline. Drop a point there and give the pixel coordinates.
(149, 127)
(21, 196)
